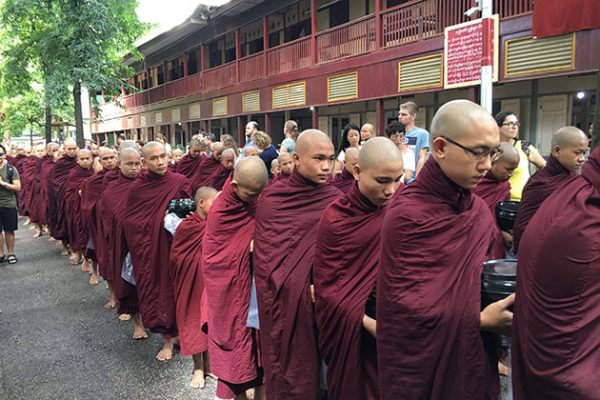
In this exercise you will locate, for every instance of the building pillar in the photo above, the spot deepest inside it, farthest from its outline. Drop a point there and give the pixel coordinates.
(378, 24)
(206, 126)
(315, 117)
(379, 118)
(241, 131)
(203, 60)
(186, 57)
(313, 31)
(266, 44)
(268, 123)
(238, 53)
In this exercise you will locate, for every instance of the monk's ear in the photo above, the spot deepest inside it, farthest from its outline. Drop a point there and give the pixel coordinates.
(555, 150)
(356, 171)
(296, 159)
(143, 162)
(439, 147)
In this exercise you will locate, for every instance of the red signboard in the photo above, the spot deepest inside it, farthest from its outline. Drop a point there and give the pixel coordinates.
(463, 52)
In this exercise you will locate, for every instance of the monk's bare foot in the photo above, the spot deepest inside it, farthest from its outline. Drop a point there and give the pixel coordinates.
(139, 333)
(503, 369)
(64, 252)
(37, 234)
(94, 279)
(27, 222)
(198, 381)
(124, 317)
(111, 304)
(74, 258)
(51, 239)
(166, 353)
(45, 228)
(85, 266)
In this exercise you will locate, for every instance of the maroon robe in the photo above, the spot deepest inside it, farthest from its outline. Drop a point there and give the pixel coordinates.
(556, 327)
(280, 177)
(188, 283)
(343, 180)
(114, 198)
(57, 217)
(27, 182)
(345, 273)
(76, 227)
(188, 165)
(226, 269)
(35, 202)
(19, 163)
(493, 192)
(205, 172)
(46, 167)
(149, 244)
(219, 178)
(541, 185)
(435, 237)
(286, 227)
(102, 250)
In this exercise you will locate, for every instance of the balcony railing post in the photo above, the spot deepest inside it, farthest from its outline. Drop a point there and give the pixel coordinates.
(238, 54)
(313, 31)
(378, 24)
(266, 44)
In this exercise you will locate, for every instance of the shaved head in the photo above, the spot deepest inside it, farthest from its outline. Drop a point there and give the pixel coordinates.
(505, 165)
(569, 145)
(314, 156)
(367, 132)
(130, 162)
(228, 158)
(126, 152)
(108, 158)
(85, 158)
(351, 155)
(249, 178)
(148, 147)
(204, 193)
(508, 153)
(128, 144)
(376, 151)
(71, 148)
(309, 138)
(455, 119)
(217, 149)
(283, 157)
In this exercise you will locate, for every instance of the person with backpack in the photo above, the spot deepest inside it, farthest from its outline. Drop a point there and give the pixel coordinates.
(9, 186)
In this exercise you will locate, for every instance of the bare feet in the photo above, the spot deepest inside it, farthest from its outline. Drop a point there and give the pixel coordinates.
(111, 304)
(139, 333)
(85, 267)
(124, 317)
(166, 353)
(27, 222)
(37, 234)
(64, 251)
(74, 258)
(51, 239)
(198, 381)
(94, 279)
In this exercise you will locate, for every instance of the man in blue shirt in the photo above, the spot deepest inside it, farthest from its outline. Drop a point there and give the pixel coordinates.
(416, 139)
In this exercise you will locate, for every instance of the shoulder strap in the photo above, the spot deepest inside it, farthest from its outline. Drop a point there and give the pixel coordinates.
(9, 173)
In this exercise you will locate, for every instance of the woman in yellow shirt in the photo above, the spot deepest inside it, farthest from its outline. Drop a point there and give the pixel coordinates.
(508, 122)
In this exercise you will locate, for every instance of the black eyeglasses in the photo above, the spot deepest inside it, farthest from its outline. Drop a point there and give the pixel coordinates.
(480, 154)
(512, 124)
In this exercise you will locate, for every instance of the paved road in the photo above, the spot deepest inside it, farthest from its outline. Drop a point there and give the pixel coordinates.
(57, 342)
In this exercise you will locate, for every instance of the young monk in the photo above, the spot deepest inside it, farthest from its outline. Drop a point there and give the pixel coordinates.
(435, 238)
(494, 188)
(221, 174)
(275, 169)
(188, 165)
(186, 256)
(208, 167)
(345, 179)
(283, 271)
(147, 201)
(77, 237)
(345, 271)
(569, 146)
(286, 166)
(233, 346)
(557, 313)
(114, 199)
(90, 194)
(251, 151)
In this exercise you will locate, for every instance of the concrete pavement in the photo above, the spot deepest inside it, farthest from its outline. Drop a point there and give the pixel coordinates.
(58, 342)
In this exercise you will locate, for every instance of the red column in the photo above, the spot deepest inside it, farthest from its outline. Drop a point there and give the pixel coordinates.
(206, 125)
(186, 57)
(266, 44)
(238, 54)
(315, 118)
(378, 24)
(379, 118)
(313, 31)
(268, 123)
(241, 131)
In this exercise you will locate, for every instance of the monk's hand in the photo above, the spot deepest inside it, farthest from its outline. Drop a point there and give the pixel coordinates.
(252, 246)
(508, 239)
(312, 294)
(496, 317)
(370, 325)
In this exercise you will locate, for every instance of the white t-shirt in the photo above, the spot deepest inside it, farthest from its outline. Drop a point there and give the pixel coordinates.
(408, 158)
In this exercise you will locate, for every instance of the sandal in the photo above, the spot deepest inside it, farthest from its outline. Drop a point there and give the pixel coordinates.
(12, 259)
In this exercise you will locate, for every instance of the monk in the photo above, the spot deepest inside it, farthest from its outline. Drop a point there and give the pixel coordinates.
(19, 162)
(435, 238)
(188, 283)
(226, 169)
(494, 188)
(76, 228)
(251, 151)
(91, 191)
(188, 165)
(208, 167)
(286, 227)
(52, 150)
(58, 177)
(113, 199)
(37, 205)
(286, 166)
(233, 346)
(569, 146)
(149, 244)
(557, 318)
(28, 180)
(345, 271)
(345, 179)
(275, 169)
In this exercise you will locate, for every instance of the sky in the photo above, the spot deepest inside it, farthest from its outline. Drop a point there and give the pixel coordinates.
(168, 13)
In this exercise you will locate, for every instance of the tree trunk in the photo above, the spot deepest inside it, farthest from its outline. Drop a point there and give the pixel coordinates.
(596, 130)
(78, 115)
(48, 124)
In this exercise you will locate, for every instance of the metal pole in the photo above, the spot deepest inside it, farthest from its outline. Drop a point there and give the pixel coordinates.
(487, 57)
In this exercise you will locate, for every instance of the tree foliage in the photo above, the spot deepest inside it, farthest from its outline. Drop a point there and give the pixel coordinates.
(69, 44)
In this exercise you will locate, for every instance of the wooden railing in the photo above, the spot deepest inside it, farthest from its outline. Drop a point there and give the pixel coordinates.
(289, 57)
(512, 8)
(220, 77)
(252, 67)
(351, 39)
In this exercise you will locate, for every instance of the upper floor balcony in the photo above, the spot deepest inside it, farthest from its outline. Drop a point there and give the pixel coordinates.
(254, 55)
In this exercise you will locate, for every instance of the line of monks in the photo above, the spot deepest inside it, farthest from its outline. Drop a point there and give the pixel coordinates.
(361, 289)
